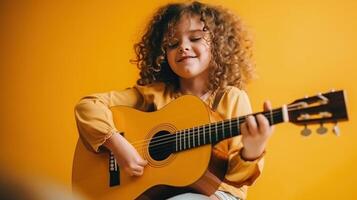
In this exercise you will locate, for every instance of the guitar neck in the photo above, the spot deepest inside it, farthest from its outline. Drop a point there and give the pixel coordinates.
(218, 131)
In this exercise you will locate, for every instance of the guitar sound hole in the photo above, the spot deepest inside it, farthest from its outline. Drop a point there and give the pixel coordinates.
(161, 145)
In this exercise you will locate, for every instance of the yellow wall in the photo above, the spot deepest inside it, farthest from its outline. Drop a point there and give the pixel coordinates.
(54, 52)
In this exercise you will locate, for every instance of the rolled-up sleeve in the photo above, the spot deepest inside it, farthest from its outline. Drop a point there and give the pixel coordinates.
(239, 172)
(94, 118)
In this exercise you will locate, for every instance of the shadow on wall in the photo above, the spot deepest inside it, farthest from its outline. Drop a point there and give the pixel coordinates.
(32, 188)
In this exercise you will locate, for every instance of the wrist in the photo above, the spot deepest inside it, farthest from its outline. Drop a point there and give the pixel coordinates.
(251, 155)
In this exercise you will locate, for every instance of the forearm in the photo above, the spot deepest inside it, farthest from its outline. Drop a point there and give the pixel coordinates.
(114, 143)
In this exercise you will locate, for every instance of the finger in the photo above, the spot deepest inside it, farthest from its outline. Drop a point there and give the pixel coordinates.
(251, 125)
(138, 173)
(137, 168)
(267, 105)
(244, 128)
(130, 171)
(142, 162)
(263, 123)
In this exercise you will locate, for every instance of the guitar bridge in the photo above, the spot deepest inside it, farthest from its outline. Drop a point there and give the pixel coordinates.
(114, 171)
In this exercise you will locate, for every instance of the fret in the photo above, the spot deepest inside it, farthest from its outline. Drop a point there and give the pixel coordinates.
(210, 134)
(180, 140)
(238, 125)
(198, 136)
(223, 136)
(193, 135)
(188, 138)
(204, 135)
(216, 132)
(176, 142)
(271, 117)
(191, 141)
(230, 127)
(184, 139)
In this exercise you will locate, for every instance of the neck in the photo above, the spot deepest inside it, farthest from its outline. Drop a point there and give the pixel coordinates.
(214, 132)
(196, 86)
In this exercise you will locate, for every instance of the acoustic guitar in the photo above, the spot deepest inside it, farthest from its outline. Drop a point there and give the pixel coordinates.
(177, 143)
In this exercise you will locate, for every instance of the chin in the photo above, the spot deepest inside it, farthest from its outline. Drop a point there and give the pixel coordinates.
(188, 76)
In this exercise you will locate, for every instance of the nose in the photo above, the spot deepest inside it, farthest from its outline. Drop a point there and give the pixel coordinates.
(182, 49)
(184, 46)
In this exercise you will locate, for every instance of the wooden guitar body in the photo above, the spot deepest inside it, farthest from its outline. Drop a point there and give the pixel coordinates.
(90, 170)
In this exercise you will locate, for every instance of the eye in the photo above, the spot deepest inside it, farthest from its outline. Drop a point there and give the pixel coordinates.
(196, 39)
(172, 45)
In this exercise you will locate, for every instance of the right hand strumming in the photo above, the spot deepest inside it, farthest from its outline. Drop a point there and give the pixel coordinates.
(126, 155)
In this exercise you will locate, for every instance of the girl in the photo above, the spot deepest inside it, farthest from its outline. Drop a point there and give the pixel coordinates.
(188, 48)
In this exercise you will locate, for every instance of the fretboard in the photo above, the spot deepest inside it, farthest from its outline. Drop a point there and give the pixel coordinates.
(218, 131)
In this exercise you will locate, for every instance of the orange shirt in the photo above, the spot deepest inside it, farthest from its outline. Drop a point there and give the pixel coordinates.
(95, 125)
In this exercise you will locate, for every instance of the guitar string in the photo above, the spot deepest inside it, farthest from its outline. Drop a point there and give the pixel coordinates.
(159, 149)
(189, 134)
(171, 138)
(269, 114)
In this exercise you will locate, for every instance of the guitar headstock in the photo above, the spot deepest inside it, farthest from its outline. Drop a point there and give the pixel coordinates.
(320, 109)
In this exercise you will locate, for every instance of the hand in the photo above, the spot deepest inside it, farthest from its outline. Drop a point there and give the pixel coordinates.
(255, 134)
(126, 155)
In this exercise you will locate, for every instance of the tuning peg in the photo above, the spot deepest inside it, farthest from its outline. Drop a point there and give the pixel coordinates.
(336, 130)
(321, 130)
(306, 131)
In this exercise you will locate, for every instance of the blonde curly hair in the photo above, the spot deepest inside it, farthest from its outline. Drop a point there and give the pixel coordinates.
(231, 46)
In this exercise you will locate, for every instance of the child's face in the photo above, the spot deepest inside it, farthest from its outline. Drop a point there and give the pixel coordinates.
(188, 52)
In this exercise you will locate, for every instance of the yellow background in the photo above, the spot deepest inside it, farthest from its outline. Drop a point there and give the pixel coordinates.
(54, 52)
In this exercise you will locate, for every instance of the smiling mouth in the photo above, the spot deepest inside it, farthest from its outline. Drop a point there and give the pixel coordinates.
(185, 57)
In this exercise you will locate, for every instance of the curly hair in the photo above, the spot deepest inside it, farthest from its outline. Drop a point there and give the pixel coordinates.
(231, 46)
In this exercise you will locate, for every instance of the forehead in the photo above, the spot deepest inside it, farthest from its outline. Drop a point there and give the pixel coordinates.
(188, 23)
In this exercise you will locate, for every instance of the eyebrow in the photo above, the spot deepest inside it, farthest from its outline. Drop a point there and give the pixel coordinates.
(192, 31)
(196, 30)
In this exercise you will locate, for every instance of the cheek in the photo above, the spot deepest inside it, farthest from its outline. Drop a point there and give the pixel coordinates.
(204, 50)
(206, 55)
(170, 56)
